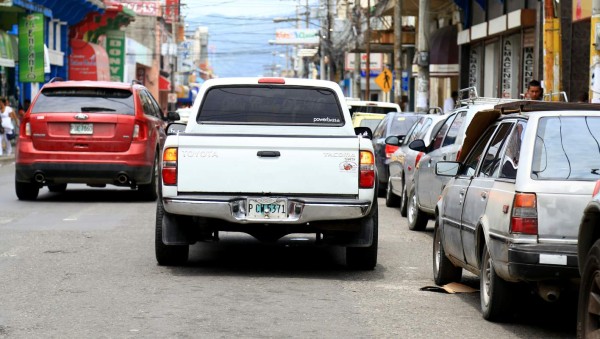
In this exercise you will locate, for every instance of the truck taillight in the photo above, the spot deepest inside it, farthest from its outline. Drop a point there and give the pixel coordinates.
(389, 150)
(524, 214)
(169, 166)
(367, 170)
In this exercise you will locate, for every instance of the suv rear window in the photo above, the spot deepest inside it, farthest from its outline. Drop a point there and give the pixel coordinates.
(86, 100)
(567, 148)
(265, 105)
(371, 109)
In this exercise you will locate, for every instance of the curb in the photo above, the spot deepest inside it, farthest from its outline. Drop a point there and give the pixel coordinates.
(7, 159)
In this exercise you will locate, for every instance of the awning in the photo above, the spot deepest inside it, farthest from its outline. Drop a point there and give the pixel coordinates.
(164, 84)
(443, 57)
(8, 49)
(88, 62)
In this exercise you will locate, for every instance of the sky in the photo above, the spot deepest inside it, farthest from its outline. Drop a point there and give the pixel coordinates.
(239, 31)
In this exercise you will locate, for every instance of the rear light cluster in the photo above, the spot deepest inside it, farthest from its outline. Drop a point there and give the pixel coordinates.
(524, 214)
(169, 166)
(596, 188)
(140, 132)
(389, 150)
(367, 170)
(418, 158)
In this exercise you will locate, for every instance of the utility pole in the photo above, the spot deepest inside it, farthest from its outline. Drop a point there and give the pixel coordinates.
(173, 105)
(595, 53)
(357, 62)
(552, 48)
(398, 50)
(368, 41)
(422, 101)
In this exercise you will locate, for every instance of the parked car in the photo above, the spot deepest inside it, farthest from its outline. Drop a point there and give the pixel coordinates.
(379, 107)
(588, 254)
(90, 132)
(446, 145)
(397, 124)
(370, 120)
(404, 160)
(507, 213)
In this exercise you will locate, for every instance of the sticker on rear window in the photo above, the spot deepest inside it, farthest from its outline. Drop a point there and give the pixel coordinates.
(332, 120)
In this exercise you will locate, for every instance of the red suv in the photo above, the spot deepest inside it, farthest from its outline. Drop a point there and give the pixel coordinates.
(90, 132)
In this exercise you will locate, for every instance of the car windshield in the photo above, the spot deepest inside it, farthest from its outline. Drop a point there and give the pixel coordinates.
(86, 100)
(402, 124)
(567, 148)
(265, 105)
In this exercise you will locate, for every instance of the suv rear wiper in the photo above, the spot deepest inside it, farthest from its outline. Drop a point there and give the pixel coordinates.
(97, 109)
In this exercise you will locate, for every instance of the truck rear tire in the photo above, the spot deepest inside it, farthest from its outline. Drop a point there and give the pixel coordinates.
(167, 255)
(365, 258)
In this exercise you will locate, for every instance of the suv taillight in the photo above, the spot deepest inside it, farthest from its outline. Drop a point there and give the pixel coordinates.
(139, 130)
(389, 150)
(169, 166)
(367, 170)
(524, 214)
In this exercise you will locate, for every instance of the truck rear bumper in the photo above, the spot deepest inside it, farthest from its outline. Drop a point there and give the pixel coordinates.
(233, 209)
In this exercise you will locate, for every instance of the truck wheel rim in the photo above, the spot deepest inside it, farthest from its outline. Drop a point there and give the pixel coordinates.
(592, 320)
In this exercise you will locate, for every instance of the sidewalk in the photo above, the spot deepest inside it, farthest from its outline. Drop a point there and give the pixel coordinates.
(7, 159)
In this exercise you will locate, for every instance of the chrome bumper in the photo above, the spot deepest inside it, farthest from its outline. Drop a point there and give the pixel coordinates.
(301, 211)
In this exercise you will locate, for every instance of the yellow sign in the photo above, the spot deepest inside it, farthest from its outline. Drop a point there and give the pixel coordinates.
(384, 80)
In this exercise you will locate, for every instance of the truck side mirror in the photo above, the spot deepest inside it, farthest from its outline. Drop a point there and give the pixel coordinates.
(175, 128)
(364, 132)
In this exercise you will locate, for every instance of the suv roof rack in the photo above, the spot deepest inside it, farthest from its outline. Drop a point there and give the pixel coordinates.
(56, 79)
(523, 106)
(468, 96)
(435, 110)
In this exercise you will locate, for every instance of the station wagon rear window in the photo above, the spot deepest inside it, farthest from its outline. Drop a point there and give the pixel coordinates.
(266, 105)
(567, 148)
(84, 100)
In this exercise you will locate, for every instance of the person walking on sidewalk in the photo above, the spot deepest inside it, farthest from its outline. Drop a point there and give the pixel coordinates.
(7, 114)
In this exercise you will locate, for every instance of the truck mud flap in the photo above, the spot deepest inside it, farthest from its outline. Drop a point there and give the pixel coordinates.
(174, 231)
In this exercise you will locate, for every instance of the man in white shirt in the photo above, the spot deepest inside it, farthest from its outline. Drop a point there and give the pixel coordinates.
(449, 103)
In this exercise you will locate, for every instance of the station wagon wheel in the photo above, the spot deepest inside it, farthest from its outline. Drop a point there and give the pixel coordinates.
(444, 271)
(391, 200)
(417, 220)
(588, 313)
(495, 292)
(403, 202)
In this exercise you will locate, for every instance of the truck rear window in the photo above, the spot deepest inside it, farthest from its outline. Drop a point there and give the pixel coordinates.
(265, 105)
(567, 148)
(84, 100)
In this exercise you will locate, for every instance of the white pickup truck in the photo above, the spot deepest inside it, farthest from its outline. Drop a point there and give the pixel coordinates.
(268, 157)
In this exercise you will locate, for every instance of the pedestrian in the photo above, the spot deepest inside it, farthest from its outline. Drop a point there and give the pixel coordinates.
(7, 114)
(534, 90)
(450, 102)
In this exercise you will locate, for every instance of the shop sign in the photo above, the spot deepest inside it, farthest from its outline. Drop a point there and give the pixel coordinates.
(473, 67)
(376, 62)
(172, 11)
(88, 61)
(528, 65)
(31, 48)
(306, 36)
(507, 62)
(144, 8)
(115, 48)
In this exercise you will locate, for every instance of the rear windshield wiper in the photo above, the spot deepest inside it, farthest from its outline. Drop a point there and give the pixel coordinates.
(97, 109)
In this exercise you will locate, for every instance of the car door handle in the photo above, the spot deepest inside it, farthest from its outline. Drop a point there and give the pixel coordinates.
(268, 154)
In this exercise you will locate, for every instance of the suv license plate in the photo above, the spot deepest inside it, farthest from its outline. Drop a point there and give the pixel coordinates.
(267, 208)
(82, 128)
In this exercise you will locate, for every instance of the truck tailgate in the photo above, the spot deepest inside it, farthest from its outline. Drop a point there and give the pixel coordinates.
(268, 164)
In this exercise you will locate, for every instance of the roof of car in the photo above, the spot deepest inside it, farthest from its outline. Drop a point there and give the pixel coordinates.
(354, 102)
(89, 83)
(523, 106)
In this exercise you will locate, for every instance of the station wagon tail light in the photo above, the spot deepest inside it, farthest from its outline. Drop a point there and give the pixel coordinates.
(389, 150)
(524, 214)
(169, 166)
(28, 129)
(271, 81)
(367, 170)
(418, 158)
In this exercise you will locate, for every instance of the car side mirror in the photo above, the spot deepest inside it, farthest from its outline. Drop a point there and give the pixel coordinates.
(393, 140)
(175, 127)
(364, 132)
(417, 145)
(447, 168)
(173, 116)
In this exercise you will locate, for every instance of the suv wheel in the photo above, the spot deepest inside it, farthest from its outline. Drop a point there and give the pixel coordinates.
(167, 255)
(26, 191)
(444, 270)
(587, 317)
(417, 220)
(391, 200)
(149, 191)
(365, 258)
(494, 292)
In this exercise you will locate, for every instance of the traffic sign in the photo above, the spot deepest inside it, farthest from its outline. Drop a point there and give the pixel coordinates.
(384, 80)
